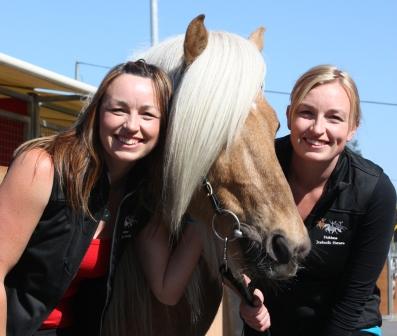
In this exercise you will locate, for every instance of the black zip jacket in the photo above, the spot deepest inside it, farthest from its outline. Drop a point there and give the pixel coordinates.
(351, 227)
(53, 255)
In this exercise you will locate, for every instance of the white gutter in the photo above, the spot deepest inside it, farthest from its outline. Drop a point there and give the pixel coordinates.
(47, 75)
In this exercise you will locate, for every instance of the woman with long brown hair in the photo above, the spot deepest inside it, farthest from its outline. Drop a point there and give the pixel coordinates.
(69, 200)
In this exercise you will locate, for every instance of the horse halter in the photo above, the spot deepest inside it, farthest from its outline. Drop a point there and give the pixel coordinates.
(219, 211)
(246, 292)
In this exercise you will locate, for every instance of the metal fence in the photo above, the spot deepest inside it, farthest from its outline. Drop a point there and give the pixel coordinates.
(392, 279)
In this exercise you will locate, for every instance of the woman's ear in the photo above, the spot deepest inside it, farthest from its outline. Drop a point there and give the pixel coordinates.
(288, 114)
(351, 133)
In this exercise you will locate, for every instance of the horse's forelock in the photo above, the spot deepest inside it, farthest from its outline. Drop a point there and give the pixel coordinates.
(211, 101)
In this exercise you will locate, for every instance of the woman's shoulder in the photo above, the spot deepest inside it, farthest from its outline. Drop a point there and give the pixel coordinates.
(385, 188)
(365, 165)
(366, 181)
(37, 161)
(29, 180)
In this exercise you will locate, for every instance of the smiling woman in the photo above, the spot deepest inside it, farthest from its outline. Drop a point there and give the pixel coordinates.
(348, 206)
(67, 203)
(129, 122)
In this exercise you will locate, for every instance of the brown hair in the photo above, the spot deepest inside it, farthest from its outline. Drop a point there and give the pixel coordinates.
(77, 152)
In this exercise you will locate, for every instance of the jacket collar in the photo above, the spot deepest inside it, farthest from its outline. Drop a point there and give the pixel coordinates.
(339, 180)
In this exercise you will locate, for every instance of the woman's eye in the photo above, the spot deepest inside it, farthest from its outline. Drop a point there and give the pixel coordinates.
(336, 118)
(148, 116)
(116, 110)
(305, 113)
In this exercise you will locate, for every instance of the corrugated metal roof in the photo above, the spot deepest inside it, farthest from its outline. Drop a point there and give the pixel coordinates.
(57, 98)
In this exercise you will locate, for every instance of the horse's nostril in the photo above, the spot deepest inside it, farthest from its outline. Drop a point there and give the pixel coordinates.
(280, 249)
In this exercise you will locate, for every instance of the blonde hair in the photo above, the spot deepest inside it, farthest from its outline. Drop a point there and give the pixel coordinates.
(211, 103)
(213, 97)
(323, 74)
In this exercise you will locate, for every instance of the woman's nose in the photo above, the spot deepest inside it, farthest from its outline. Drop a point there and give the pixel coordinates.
(132, 122)
(318, 126)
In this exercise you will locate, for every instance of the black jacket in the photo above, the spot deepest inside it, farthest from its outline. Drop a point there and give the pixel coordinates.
(350, 227)
(53, 255)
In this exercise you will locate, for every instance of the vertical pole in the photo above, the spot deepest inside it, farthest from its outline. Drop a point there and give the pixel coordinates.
(154, 22)
(390, 301)
(77, 70)
(35, 117)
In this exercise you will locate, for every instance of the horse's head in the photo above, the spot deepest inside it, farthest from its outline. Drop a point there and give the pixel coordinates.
(222, 128)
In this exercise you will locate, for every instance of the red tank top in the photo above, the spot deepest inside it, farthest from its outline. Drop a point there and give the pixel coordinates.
(94, 265)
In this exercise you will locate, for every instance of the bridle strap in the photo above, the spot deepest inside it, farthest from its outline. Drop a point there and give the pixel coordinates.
(246, 292)
(210, 193)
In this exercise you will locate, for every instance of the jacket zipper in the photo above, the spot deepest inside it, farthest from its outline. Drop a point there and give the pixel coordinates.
(111, 271)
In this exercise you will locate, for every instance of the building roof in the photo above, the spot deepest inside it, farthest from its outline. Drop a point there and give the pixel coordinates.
(57, 99)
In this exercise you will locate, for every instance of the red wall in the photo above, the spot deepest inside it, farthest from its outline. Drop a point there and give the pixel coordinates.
(11, 131)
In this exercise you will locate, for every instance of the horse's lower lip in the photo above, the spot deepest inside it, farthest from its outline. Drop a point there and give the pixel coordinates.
(262, 265)
(289, 271)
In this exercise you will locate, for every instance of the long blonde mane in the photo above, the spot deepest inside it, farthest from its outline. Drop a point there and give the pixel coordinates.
(212, 99)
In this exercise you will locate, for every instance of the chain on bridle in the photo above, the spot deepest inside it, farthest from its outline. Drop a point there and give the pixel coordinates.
(246, 292)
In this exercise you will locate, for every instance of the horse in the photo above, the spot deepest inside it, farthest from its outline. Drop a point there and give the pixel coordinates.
(220, 167)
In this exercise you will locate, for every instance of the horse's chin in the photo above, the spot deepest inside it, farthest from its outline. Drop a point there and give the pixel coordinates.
(282, 272)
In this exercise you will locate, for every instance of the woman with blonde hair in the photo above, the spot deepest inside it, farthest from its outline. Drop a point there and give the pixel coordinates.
(347, 203)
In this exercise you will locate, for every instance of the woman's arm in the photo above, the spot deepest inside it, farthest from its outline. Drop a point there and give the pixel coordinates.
(168, 270)
(24, 194)
(369, 252)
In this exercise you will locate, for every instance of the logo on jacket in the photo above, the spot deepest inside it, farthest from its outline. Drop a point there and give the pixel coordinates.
(129, 222)
(331, 226)
(128, 225)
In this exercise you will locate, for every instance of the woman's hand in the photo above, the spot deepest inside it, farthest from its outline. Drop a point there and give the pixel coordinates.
(256, 317)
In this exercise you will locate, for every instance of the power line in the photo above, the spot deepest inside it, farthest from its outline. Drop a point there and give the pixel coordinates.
(77, 68)
(374, 102)
(284, 93)
(377, 103)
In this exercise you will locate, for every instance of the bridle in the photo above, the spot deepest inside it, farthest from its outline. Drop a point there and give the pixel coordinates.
(225, 271)
(246, 292)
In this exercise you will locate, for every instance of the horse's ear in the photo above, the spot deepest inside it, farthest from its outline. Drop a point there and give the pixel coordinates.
(257, 37)
(196, 39)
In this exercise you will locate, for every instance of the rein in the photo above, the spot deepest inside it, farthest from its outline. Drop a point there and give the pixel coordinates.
(246, 292)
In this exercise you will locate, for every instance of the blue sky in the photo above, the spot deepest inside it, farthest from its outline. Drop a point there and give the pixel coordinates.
(358, 36)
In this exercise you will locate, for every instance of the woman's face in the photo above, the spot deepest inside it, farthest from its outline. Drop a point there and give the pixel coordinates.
(129, 124)
(320, 126)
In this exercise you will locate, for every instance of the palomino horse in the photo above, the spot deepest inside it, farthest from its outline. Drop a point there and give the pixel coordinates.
(221, 132)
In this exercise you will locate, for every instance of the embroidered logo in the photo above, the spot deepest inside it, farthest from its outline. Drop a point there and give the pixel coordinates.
(331, 226)
(129, 222)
